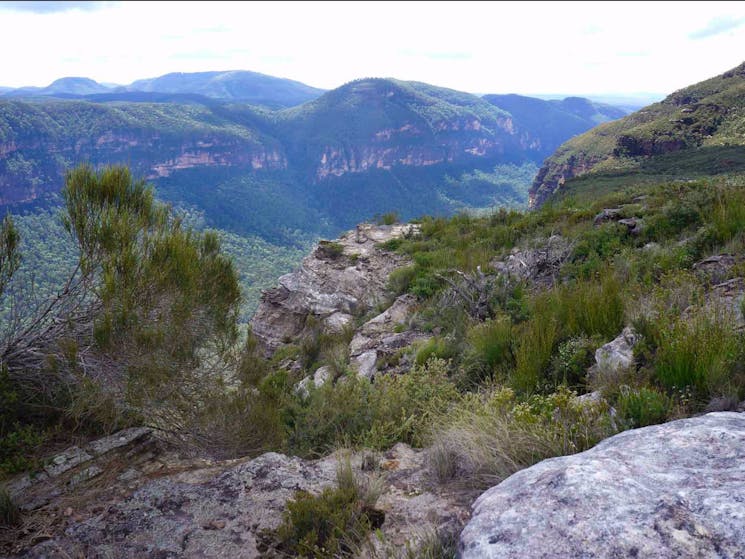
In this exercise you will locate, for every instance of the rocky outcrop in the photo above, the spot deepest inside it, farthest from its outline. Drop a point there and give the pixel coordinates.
(230, 509)
(667, 491)
(723, 301)
(149, 153)
(339, 281)
(338, 161)
(555, 171)
(377, 345)
(538, 266)
(715, 269)
(699, 117)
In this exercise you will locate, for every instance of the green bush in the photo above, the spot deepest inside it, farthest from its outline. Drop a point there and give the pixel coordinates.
(333, 523)
(330, 249)
(572, 359)
(489, 352)
(356, 412)
(19, 436)
(388, 218)
(534, 348)
(435, 347)
(642, 406)
(400, 280)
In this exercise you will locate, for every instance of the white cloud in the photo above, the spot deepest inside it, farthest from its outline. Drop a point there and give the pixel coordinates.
(523, 47)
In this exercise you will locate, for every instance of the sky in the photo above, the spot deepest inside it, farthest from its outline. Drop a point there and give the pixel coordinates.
(602, 48)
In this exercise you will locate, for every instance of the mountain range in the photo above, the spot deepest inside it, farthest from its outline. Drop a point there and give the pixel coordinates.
(274, 164)
(197, 135)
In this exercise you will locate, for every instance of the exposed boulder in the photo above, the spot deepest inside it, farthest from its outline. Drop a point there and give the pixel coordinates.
(715, 268)
(725, 301)
(634, 225)
(338, 281)
(608, 214)
(617, 356)
(667, 491)
(319, 378)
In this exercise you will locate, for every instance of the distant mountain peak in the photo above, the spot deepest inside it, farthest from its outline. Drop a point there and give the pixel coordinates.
(232, 85)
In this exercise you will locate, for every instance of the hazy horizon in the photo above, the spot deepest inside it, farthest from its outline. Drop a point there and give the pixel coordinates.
(622, 49)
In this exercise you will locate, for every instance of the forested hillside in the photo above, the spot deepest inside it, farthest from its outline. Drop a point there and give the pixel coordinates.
(273, 181)
(693, 132)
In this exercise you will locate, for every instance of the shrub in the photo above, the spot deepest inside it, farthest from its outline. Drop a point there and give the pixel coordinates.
(354, 411)
(437, 348)
(388, 218)
(400, 280)
(333, 523)
(19, 439)
(537, 339)
(572, 359)
(642, 406)
(330, 249)
(489, 351)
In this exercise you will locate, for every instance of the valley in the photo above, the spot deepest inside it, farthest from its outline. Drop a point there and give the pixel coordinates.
(453, 375)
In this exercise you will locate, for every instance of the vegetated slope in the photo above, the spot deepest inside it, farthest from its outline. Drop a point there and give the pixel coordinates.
(552, 122)
(696, 130)
(237, 85)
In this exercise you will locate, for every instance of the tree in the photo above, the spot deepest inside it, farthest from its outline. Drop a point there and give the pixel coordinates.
(147, 318)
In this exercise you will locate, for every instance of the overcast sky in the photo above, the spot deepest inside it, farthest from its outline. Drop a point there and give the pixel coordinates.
(481, 47)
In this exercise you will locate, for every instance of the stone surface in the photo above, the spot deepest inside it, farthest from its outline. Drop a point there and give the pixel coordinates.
(715, 268)
(364, 363)
(332, 286)
(667, 491)
(724, 301)
(384, 336)
(617, 356)
(320, 377)
(228, 510)
(608, 214)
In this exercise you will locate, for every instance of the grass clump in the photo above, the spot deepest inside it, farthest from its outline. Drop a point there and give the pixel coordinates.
(642, 406)
(333, 523)
(703, 352)
(9, 513)
(488, 437)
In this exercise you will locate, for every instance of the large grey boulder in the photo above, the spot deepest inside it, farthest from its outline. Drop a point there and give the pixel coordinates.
(668, 491)
(381, 338)
(617, 356)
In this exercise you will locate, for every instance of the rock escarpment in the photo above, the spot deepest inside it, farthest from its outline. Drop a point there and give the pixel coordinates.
(671, 490)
